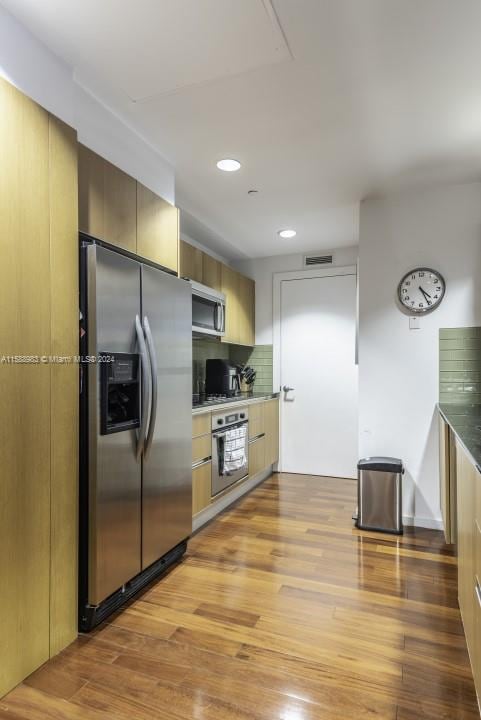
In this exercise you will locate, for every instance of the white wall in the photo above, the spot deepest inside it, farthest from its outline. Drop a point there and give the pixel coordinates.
(398, 367)
(37, 72)
(262, 269)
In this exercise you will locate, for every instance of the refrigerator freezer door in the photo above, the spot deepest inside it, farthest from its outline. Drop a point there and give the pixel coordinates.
(114, 473)
(167, 467)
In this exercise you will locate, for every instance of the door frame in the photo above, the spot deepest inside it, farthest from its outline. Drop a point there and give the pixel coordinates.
(277, 280)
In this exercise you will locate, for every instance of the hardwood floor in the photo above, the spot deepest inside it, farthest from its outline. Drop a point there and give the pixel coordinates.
(281, 610)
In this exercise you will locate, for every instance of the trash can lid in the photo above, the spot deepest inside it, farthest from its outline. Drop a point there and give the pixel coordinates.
(384, 464)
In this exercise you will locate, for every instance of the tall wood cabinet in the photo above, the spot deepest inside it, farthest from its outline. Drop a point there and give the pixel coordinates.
(116, 208)
(38, 411)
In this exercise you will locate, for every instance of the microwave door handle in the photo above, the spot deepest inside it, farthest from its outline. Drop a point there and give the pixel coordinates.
(146, 387)
(217, 317)
(222, 320)
(154, 385)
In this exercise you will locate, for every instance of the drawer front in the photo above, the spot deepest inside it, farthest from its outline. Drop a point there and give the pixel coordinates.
(201, 487)
(201, 448)
(201, 424)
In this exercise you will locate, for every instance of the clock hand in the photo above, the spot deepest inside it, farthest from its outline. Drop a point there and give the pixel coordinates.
(426, 295)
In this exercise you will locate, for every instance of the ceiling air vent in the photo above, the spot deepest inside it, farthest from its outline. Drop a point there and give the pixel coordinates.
(313, 260)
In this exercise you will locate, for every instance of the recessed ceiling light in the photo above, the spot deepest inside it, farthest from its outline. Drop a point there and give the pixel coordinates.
(286, 233)
(228, 165)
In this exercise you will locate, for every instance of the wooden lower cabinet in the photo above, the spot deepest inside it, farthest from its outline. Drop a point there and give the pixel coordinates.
(271, 425)
(468, 481)
(256, 419)
(257, 455)
(201, 487)
(263, 419)
(201, 424)
(201, 448)
(263, 448)
(447, 480)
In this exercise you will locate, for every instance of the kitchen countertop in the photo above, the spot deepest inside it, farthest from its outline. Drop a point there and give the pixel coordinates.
(242, 399)
(465, 422)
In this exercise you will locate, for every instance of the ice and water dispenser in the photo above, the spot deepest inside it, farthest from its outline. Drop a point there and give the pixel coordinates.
(119, 392)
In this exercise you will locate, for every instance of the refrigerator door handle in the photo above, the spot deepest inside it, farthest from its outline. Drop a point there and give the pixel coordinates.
(153, 370)
(146, 387)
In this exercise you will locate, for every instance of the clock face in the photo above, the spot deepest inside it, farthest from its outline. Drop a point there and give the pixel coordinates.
(421, 290)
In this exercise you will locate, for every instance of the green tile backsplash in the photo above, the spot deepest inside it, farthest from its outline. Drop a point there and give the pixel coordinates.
(460, 365)
(258, 357)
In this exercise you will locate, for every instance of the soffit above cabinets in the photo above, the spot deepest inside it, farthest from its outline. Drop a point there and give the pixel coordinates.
(148, 48)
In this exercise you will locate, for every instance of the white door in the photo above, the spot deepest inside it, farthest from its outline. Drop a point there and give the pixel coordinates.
(317, 317)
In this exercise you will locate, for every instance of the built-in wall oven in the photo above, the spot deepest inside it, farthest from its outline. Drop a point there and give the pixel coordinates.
(230, 448)
(208, 310)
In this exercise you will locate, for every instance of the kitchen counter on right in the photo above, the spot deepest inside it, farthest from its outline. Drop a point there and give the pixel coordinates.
(465, 421)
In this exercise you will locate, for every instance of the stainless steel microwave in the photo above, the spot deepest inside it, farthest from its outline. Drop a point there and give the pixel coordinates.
(208, 310)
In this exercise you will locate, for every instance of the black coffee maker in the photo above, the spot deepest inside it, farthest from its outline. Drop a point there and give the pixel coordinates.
(222, 378)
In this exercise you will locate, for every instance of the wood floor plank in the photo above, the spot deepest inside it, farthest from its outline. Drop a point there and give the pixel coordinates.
(280, 609)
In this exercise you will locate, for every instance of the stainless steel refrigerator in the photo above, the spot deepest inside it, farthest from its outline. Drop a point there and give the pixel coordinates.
(136, 426)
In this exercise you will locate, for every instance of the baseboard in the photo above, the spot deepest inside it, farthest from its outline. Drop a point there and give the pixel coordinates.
(219, 505)
(423, 522)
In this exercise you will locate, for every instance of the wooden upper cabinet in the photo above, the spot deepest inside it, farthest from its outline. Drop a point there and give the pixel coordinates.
(90, 192)
(120, 208)
(246, 302)
(157, 229)
(211, 272)
(107, 201)
(240, 307)
(190, 262)
(238, 289)
(230, 287)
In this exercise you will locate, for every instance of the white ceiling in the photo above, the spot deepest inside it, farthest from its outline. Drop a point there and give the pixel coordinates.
(323, 101)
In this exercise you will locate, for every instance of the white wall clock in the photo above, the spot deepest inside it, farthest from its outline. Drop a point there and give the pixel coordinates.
(421, 290)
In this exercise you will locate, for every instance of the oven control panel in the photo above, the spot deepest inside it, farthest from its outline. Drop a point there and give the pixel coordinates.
(221, 420)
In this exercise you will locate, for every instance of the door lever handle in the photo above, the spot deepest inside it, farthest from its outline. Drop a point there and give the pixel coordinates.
(286, 388)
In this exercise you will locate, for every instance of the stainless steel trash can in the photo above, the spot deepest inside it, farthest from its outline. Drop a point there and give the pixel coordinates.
(379, 494)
